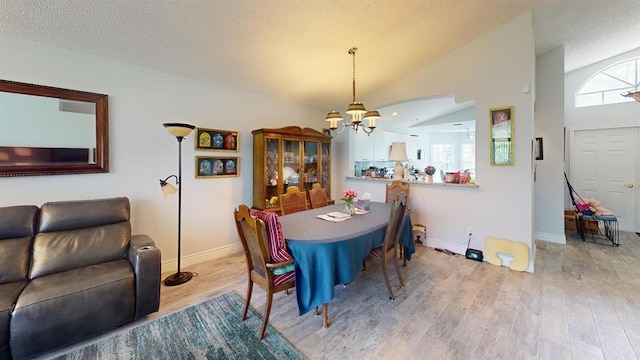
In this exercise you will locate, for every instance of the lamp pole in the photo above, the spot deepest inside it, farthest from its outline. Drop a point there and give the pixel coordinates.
(179, 131)
(183, 275)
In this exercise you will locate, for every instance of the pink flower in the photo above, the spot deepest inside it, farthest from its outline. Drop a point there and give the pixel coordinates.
(430, 170)
(349, 195)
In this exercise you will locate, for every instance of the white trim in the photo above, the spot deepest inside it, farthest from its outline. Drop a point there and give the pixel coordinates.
(440, 244)
(558, 239)
(172, 265)
(576, 93)
(602, 127)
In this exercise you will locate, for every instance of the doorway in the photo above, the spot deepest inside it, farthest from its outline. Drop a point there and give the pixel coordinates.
(605, 166)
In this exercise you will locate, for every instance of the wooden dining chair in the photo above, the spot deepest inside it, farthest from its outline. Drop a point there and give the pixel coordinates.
(271, 276)
(389, 248)
(318, 196)
(293, 201)
(392, 191)
(395, 188)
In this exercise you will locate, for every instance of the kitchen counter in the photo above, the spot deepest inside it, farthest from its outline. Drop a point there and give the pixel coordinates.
(411, 182)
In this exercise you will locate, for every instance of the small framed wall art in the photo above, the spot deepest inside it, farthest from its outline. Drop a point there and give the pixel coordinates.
(502, 145)
(538, 149)
(214, 167)
(217, 140)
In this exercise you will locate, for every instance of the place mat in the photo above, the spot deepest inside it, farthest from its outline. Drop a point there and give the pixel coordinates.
(334, 217)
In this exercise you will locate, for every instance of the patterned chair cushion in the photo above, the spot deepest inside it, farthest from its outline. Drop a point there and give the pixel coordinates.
(376, 253)
(277, 245)
(280, 279)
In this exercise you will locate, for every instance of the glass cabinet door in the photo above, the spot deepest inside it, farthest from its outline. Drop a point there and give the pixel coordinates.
(291, 164)
(310, 162)
(272, 172)
(325, 181)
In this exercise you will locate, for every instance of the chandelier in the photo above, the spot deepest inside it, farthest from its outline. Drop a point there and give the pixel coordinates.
(356, 110)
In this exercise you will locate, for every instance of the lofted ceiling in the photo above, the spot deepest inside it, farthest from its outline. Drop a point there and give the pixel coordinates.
(297, 49)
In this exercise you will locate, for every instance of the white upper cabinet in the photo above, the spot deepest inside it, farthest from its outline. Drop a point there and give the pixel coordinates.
(364, 145)
(376, 146)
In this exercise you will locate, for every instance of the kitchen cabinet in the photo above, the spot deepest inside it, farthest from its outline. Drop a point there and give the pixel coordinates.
(289, 156)
(363, 146)
(374, 147)
(383, 145)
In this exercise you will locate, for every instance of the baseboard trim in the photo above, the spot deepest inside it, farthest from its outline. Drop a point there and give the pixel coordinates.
(217, 253)
(440, 244)
(558, 239)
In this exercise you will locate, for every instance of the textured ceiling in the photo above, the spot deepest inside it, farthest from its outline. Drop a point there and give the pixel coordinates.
(298, 49)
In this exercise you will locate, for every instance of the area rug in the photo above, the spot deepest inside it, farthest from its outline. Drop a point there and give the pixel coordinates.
(209, 330)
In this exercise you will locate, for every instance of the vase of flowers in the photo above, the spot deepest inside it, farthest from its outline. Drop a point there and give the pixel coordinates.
(430, 170)
(349, 196)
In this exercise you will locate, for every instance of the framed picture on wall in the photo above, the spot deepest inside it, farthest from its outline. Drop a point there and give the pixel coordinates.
(217, 140)
(501, 123)
(538, 149)
(214, 167)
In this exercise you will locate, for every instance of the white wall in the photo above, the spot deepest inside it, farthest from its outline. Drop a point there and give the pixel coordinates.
(549, 124)
(493, 70)
(142, 151)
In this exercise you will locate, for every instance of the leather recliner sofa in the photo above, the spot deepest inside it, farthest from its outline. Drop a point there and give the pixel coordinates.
(71, 270)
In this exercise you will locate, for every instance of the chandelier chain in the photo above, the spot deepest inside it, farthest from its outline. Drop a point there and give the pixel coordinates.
(352, 51)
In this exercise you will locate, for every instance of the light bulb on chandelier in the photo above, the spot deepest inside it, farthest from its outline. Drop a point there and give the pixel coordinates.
(356, 110)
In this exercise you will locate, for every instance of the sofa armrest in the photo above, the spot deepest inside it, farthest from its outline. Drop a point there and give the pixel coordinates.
(145, 258)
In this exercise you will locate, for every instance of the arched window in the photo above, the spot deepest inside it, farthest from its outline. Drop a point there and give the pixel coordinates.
(607, 86)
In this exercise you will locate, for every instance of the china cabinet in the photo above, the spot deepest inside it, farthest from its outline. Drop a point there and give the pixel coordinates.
(288, 156)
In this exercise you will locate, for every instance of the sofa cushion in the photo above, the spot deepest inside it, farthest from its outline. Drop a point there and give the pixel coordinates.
(76, 304)
(18, 221)
(65, 250)
(8, 294)
(17, 227)
(73, 234)
(14, 259)
(73, 215)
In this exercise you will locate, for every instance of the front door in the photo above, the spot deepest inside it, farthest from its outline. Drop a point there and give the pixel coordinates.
(605, 166)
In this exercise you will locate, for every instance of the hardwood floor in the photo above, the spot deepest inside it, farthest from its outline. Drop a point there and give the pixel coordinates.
(581, 303)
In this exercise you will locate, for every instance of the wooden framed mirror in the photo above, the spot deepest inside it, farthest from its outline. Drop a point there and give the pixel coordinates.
(52, 131)
(502, 145)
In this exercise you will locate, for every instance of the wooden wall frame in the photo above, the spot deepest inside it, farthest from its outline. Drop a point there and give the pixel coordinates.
(43, 158)
(216, 167)
(217, 140)
(501, 127)
(539, 153)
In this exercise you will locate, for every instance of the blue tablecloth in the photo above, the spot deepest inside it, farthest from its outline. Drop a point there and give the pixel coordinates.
(327, 254)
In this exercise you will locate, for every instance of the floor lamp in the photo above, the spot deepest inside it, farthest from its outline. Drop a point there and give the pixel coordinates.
(180, 131)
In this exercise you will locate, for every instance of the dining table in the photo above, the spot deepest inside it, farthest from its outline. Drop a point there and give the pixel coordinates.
(330, 253)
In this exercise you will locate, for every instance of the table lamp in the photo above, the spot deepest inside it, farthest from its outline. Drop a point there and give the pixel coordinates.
(398, 154)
